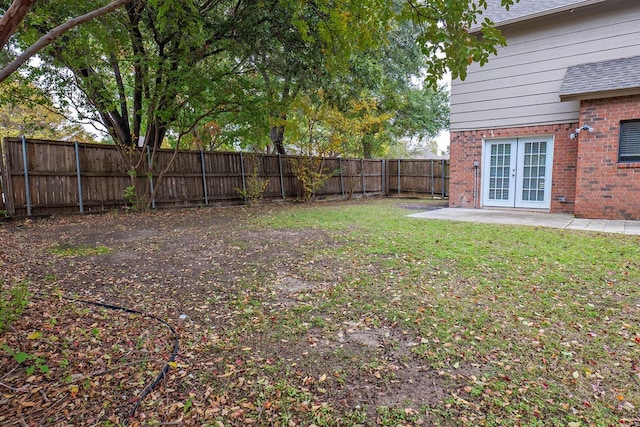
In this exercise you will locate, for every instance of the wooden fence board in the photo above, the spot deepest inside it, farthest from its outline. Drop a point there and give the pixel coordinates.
(187, 177)
(4, 182)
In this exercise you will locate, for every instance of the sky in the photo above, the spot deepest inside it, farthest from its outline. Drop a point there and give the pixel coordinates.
(443, 141)
(443, 137)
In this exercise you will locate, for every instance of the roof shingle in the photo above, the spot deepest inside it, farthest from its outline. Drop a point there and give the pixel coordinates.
(528, 9)
(596, 77)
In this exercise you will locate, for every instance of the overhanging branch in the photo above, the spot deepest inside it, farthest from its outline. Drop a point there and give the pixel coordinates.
(52, 35)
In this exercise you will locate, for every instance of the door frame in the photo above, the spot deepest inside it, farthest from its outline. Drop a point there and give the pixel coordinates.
(515, 201)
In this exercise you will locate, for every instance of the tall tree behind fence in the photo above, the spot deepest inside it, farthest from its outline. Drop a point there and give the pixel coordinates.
(45, 177)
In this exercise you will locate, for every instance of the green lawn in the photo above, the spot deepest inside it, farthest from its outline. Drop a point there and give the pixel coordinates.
(531, 326)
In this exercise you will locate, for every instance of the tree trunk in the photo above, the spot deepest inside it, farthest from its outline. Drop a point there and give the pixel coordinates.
(155, 134)
(277, 129)
(367, 147)
(277, 135)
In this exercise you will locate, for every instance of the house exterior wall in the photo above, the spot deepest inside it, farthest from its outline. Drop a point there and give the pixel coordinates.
(466, 148)
(606, 188)
(519, 87)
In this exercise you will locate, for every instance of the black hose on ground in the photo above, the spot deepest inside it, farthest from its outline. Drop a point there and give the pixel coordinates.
(149, 388)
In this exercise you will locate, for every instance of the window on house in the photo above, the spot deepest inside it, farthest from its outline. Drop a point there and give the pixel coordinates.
(629, 141)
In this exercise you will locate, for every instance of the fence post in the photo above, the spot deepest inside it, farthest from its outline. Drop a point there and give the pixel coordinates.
(79, 178)
(153, 200)
(398, 177)
(281, 177)
(244, 181)
(25, 164)
(382, 183)
(204, 178)
(364, 191)
(7, 184)
(433, 178)
(443, 190)
(341, 176)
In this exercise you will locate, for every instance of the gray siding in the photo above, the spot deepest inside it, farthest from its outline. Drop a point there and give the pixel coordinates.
(520, 86)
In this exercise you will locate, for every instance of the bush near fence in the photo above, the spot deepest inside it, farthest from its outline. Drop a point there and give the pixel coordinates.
(46, 177)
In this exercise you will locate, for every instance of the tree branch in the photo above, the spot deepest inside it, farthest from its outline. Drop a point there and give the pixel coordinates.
(48, 38)
(12, 18)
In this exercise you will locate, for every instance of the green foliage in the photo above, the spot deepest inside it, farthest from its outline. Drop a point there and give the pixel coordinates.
(255, 186)
(130, 193)
(25, 110)
(228, 74)
(13, 300)
(34, 362)
(131, 196)
(311, 173)
(444, 38)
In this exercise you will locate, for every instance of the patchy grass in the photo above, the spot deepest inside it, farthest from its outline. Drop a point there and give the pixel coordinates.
(547, 321)
(14, 297)
(348, 314)
(65, 250)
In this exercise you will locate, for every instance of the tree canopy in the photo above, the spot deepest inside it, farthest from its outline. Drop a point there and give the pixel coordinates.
(25, 111)
(237, 73)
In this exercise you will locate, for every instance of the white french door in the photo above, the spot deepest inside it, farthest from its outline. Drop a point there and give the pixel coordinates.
(517, 172)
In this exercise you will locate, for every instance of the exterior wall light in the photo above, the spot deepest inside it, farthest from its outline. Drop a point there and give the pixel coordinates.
(575, 134)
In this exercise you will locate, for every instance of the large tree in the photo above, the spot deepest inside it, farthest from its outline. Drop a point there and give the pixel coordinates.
(146, 68)
(380, 99)
(156, 67)
(301, 45)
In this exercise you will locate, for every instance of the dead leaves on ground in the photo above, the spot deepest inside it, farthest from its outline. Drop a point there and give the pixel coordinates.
(67, 361)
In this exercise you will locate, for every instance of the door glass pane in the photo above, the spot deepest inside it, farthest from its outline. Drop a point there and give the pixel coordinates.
(499, 171)
(533, 180)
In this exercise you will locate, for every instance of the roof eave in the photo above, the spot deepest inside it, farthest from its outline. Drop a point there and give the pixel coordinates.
(599, 94)
(475, 30)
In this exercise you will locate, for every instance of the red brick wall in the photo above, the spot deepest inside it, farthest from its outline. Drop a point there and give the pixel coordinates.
(466, 147)
(605, 188)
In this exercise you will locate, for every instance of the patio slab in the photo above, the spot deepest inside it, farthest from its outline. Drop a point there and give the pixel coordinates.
(538, 219)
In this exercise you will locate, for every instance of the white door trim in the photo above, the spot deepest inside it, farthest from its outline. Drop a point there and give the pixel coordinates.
(526, 181)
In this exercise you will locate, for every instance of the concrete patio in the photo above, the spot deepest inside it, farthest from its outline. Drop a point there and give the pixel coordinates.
(539, 219)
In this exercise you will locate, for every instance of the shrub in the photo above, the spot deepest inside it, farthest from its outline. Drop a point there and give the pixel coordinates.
(255, 186)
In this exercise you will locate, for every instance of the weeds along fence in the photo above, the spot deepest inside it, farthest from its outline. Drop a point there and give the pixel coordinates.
(42, 177)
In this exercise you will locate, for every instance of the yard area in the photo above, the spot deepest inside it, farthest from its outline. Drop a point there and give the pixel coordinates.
(328, 314)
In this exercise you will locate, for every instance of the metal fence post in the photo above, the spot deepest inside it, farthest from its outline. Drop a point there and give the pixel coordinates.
(244, 181)
(443, 189)
(398, 177)
(25, 163)
(281, 177)
(364, 191)
(382, 168)
(204, 178)
(433, 178)
(153, 200)
(341, 176)
(79, 178)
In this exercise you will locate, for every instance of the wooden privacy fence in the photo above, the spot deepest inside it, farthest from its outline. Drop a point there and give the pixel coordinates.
(46, 177)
